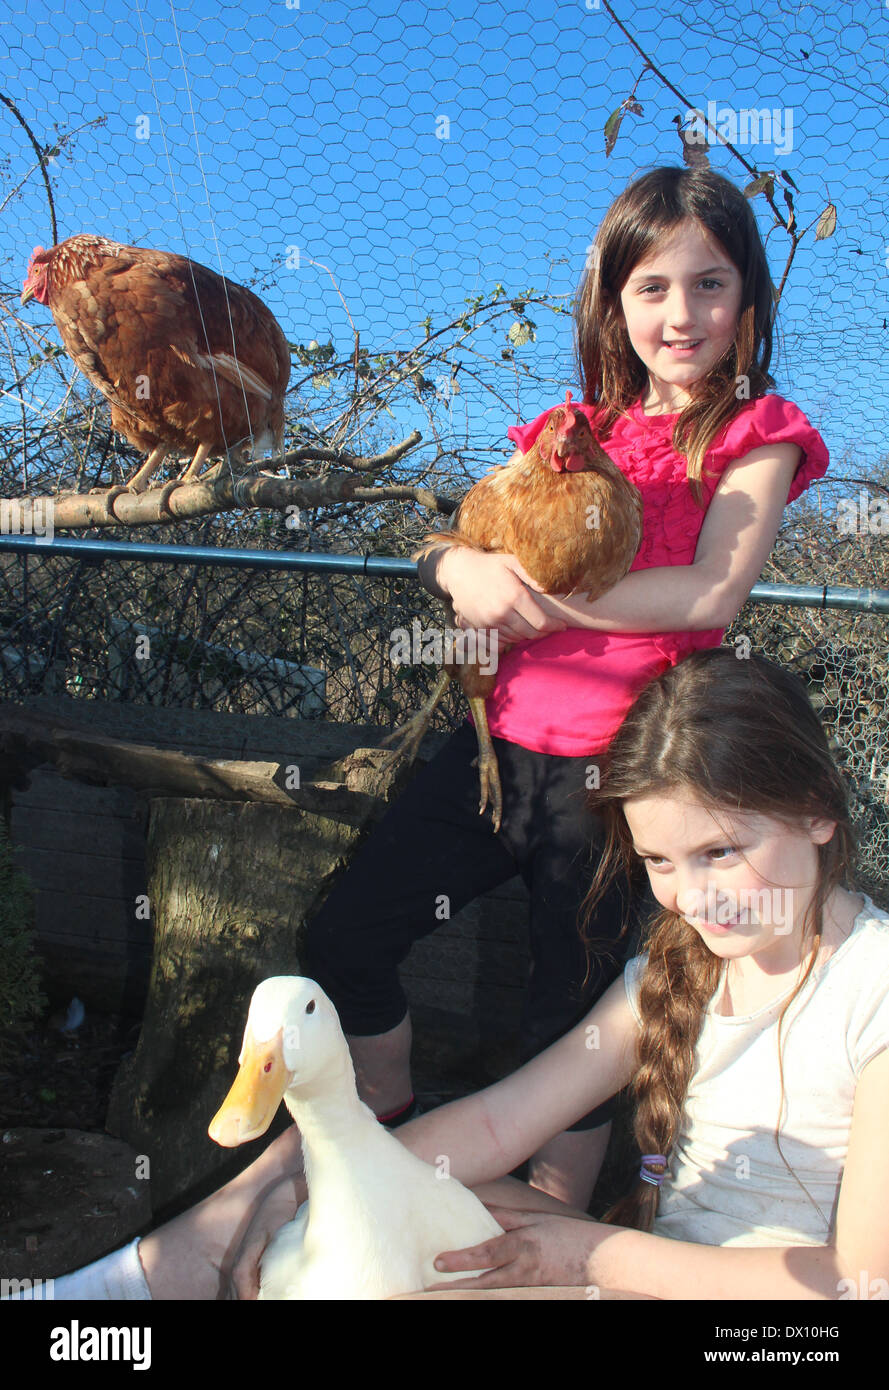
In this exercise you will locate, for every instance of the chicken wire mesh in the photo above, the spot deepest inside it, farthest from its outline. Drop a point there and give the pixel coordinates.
(378, 173)
(412, 190)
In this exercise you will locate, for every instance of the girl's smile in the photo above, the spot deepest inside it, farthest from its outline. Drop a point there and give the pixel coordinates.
(681, 308)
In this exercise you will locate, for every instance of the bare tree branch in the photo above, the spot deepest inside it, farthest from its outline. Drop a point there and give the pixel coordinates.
(42, 161)
(373, 464)
(78, 510)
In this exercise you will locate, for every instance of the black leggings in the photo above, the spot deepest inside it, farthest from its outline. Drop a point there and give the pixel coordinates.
(432, 843)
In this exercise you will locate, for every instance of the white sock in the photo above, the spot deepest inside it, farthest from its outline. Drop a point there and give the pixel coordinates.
(116, 1276)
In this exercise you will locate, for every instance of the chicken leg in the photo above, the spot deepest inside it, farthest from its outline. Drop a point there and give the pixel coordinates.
(197, 463)
(488, 769)
(140, 479)
(411, 735)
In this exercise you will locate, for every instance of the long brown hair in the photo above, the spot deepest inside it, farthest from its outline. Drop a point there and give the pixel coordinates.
(611, 373)
(740, 736)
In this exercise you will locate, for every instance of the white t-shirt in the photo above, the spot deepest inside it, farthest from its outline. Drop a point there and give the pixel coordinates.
(727, 1184)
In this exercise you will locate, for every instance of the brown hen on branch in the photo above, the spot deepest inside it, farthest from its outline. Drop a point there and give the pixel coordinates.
(189, 361)
(573, 521)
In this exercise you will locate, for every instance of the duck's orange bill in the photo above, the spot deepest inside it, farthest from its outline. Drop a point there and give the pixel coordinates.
(258, 1090)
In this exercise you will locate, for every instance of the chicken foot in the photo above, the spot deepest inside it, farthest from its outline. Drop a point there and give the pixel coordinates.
(411, 734)
(197, 463)
(141, 478)
(488, 769)
(110, 494)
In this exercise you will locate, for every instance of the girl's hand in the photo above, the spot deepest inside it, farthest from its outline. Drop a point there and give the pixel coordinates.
(492, 590)
(274, 1211)
(537, 1248)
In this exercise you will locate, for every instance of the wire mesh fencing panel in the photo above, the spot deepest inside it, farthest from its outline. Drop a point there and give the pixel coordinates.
(309, 645)
(842, 657)
(838, 536)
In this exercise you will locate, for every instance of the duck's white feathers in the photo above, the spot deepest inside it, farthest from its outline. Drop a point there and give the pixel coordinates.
(377, 1215)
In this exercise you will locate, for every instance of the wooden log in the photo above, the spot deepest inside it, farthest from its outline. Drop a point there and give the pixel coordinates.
(348, 792)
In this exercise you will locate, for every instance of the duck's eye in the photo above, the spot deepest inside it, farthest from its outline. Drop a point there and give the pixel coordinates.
(310, 1007)
(267, 1067)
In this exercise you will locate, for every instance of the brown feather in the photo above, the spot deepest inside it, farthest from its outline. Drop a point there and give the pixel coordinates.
(572, 532)
(145, 328)
(573, 521)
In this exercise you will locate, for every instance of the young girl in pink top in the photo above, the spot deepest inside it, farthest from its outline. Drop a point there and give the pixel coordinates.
(674, 332)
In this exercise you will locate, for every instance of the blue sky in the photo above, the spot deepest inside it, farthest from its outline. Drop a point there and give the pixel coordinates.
(318, 126)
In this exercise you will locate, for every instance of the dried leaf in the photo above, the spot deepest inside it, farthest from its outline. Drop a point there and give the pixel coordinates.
(694, 152)
(764, 183)
(827, 223)
(791, 221)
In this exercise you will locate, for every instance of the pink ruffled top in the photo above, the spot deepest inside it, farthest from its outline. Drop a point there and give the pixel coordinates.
(569, 692)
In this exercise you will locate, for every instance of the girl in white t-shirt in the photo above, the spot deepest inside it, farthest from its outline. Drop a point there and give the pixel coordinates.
(761, 999)
(753, 1029)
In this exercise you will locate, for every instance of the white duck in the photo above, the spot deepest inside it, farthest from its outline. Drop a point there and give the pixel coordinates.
(377, 1215)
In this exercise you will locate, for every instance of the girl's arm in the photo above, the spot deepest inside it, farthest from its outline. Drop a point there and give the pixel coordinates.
(191, 1256)
(489, 590)
(486, 1135)
(855, 1264)
(736, 538)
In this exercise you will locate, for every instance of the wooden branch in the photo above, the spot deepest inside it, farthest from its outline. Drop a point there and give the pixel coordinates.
(435, 501)
(80, 510)
(30, 740)
(373, 464)
(689, 106)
